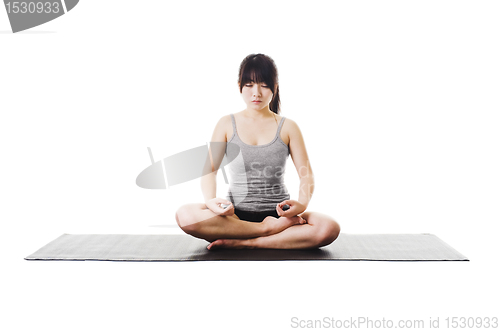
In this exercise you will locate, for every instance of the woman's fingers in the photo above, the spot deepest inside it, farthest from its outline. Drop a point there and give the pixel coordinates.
(285, 210)
(227, 209)
(279, 210)
(225, 204)
(282, 213)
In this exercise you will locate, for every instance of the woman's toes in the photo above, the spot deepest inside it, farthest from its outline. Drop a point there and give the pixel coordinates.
(215, 244)
(298, 220)
(230, 243)
(223, 243)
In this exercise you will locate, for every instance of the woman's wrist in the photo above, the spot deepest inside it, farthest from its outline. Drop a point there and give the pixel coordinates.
(303, 202)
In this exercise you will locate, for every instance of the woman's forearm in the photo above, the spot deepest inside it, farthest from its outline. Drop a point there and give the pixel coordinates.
(209, 186)
(306, 189)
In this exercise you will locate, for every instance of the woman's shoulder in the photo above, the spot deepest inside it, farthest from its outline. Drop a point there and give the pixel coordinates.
(290, 124)
(221, 129)
(226, 125)
(290, 129)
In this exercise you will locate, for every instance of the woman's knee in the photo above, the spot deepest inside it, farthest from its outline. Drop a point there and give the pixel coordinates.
(185, 215)
(327, 232)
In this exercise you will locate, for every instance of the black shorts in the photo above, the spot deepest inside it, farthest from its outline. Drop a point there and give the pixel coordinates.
(255, 216)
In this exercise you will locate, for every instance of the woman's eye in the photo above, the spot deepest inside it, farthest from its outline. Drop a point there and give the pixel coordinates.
(250, 85)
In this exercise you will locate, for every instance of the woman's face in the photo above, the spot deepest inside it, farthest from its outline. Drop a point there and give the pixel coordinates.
(256, 95)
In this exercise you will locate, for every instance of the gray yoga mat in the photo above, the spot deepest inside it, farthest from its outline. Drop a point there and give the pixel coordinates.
(158, 247)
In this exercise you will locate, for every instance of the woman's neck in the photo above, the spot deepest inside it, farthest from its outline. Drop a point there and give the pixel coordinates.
(261, 114)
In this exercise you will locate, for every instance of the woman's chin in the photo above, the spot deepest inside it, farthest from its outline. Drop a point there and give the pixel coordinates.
(256, 107)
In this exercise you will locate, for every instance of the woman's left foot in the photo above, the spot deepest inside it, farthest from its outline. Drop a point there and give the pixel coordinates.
(229, 243)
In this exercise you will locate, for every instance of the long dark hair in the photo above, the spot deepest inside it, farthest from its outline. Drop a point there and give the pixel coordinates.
(261, 68)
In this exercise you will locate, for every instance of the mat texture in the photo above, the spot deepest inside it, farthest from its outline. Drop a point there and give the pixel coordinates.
(159, 247)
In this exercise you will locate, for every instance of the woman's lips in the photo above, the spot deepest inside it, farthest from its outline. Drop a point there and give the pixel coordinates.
(256, 101)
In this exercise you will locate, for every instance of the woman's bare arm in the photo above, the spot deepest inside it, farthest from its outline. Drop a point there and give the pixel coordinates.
(301, 160)
(208, 181)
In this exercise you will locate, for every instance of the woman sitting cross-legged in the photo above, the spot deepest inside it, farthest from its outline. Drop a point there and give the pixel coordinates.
(259, 211)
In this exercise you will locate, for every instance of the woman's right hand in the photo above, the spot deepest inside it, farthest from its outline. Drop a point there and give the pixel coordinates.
(214, 206)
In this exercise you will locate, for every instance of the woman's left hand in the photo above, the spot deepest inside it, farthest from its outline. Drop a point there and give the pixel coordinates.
(296, 208)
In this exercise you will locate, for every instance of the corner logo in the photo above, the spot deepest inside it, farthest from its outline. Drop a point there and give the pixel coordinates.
(27, 14)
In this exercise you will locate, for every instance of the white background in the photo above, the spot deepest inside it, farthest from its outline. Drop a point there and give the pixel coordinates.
(398, 103)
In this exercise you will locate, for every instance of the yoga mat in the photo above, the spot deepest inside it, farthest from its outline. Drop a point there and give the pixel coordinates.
(159, 247)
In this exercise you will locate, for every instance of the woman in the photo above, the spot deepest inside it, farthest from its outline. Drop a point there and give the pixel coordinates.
(259, 211)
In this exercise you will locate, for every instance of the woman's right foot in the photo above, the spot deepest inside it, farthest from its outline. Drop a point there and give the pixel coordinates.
(279, 224)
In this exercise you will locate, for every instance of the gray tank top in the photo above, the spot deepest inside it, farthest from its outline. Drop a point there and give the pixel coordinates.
(257, 172)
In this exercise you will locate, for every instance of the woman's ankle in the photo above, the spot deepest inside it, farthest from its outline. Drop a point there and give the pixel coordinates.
(270, 226)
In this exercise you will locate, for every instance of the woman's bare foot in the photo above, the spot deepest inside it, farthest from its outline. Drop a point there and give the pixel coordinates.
(230, 243)
(279, 224)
